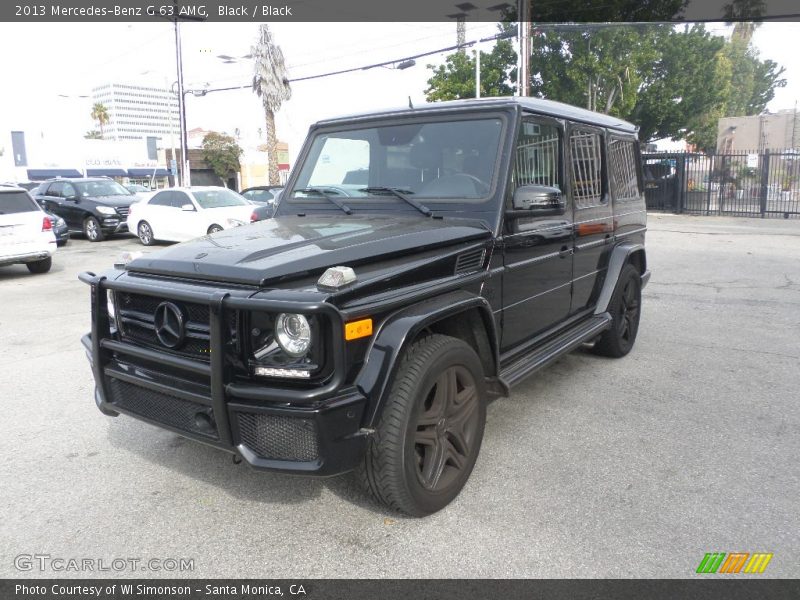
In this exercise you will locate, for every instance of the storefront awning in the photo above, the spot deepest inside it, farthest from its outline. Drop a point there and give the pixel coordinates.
(106, 172)
(42, 174)
(148, 172)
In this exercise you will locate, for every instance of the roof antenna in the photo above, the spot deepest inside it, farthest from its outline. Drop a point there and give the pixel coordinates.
(410, 105)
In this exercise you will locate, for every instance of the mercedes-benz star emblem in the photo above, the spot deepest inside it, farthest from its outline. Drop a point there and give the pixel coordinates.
(169, 325)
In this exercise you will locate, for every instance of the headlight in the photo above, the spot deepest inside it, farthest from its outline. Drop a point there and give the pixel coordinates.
(235, 222)
(60, 222)
(106, 210)
(293, 334)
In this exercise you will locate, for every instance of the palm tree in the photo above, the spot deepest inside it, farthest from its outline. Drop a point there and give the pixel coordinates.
(271, 83)
(100, 114)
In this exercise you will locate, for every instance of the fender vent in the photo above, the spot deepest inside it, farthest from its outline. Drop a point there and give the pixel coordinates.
(470, 261)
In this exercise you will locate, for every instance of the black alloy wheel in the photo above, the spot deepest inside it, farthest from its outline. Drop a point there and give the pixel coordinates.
(626, 310)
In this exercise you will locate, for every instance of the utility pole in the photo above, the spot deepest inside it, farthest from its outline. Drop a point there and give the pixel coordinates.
(185, 176)
(524, 25)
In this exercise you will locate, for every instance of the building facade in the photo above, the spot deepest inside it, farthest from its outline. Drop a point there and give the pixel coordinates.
(139, 112)
(776, 131)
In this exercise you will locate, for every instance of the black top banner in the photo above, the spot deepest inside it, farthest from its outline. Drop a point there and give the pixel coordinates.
(406, 589)
(541, 11)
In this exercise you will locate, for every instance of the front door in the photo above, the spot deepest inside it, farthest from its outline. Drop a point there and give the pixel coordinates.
(537, 250)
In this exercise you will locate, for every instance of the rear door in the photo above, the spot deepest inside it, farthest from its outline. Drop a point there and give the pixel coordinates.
(594, 221)
(156, 212)
(53, 201)
(73, 213)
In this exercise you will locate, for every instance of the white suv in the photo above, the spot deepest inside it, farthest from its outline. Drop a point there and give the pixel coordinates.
(26, 232)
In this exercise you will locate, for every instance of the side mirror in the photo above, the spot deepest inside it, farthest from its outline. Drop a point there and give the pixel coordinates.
(72, 198)
(188, 208)
(533, 201)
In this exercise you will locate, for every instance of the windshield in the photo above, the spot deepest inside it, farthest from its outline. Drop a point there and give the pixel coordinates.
(100, 188)
(218, 198)
(450, 161)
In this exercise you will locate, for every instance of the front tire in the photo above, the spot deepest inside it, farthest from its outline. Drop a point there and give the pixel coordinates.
(430, 431)
(40, 266)
(214, 229)
(145, 233)
(625, 309)
(92, 231)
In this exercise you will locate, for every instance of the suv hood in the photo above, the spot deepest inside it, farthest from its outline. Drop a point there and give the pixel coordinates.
(293, 247)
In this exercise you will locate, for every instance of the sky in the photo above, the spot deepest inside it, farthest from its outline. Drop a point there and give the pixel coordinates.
(51, 75)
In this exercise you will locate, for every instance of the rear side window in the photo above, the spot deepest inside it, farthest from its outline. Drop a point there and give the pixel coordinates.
(16, 202)
(623, 170)
(586, 155)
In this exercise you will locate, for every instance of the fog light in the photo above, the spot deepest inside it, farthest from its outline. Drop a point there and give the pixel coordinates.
(273, 372)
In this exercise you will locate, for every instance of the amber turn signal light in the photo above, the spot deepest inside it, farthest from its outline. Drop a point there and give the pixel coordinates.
(357, 329)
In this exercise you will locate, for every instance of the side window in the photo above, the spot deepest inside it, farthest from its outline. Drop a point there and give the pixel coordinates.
(68, 191)
(179, 199)
(55, 189)
(160, 199)
(537, 158)
(623, 170)
(586, 157)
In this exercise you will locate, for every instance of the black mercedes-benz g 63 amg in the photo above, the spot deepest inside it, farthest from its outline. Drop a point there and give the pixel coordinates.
(421, 262)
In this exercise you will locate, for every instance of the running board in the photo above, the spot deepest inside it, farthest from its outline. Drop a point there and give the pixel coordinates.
(565, 342)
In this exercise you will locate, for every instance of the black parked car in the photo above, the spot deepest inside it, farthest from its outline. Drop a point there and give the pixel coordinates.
(367, 325)
(94, 206)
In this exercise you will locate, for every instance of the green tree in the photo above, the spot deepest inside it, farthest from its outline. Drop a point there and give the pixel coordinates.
(581, 11)
(456, 78)
(598, 68)
(271, 84)
(100, 114)
(222, 154)
(671, 82)
(686, 89)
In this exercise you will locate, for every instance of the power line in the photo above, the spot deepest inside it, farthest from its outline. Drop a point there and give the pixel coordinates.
(499, 36)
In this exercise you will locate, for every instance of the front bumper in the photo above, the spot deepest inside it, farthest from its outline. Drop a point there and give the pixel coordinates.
(310, 432)
(114, 225)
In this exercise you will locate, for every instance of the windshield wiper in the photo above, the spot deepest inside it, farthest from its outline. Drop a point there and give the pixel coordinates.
(328, 197)
(400, 193)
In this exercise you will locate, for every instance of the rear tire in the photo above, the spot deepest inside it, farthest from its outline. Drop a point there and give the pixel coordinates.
(430, 431)
(92, 231)
(145, 233)
(625, 309)
(40, 266)
(214, 229)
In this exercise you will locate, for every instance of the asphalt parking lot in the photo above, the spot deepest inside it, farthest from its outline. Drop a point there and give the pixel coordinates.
(595, 468)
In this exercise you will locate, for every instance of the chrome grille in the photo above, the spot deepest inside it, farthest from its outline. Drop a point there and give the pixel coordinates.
(123, 210)
(136, 318)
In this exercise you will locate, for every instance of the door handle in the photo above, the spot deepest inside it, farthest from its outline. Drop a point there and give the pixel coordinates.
(564, 252)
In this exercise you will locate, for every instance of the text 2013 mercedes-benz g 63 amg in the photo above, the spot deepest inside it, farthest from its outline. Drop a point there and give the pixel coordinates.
(421, 261)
